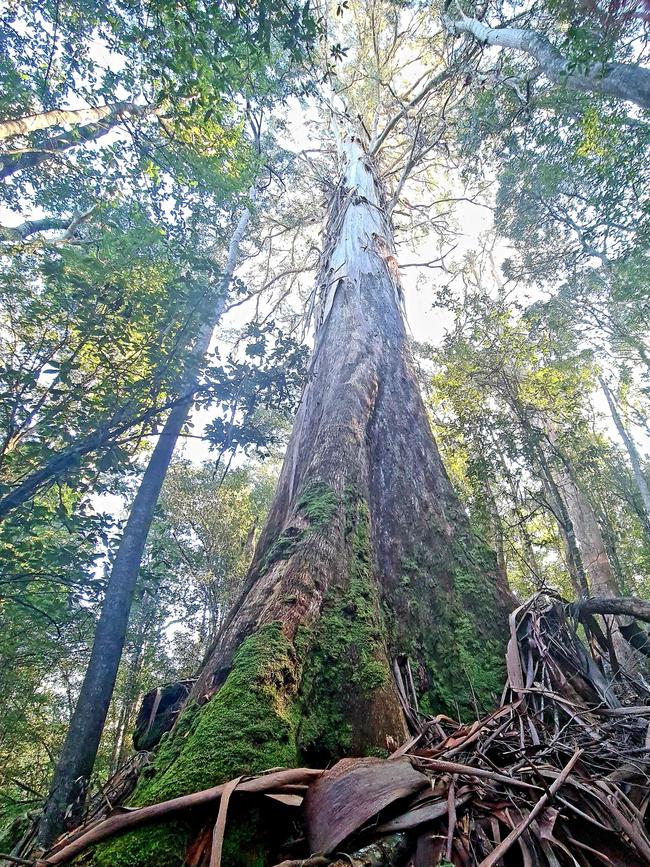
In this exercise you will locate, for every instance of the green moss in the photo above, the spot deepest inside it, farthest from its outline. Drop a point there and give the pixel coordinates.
(463, 670)
(454, 627)
(318, 503)
(248, 836)
(283, 547)
(161, 845)
(347, 649)
(247, 727)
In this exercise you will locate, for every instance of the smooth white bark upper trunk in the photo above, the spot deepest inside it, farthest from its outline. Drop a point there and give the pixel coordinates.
(362, 241)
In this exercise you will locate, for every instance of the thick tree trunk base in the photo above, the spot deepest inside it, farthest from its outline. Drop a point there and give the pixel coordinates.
(443, 800)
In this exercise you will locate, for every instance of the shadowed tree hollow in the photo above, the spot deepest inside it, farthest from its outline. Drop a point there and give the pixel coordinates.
(366, 582)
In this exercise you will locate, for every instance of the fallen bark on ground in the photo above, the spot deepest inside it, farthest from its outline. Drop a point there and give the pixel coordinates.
(557, 776)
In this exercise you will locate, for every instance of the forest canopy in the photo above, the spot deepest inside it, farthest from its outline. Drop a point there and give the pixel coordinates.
(323, 350)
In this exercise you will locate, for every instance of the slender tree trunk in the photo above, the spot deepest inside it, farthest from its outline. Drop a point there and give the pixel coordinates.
(603, 581)
(633, 454)
(496, 526)
(567, 530)
(530, 560)
(68, 787)
(55, 145)
(366, 557)
(602, 578)
(129, 700)
(540, 435)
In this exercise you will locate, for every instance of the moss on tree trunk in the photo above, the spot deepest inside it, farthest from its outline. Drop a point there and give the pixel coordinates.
(366, 558)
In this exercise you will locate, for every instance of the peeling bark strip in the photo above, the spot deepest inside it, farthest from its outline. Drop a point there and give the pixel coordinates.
(619, 80)
(366, 556)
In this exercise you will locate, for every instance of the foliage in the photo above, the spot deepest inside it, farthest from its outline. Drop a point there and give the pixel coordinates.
(499, 378)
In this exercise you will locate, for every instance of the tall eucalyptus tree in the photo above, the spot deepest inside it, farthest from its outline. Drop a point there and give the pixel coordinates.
(368, 594)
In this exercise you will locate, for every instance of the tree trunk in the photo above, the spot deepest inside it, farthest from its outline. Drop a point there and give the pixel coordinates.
(52, 147)
(633, 454)
(574, 561)
(366, 560)
(602, 578)
(68, 787)
(130, 694)
(496, 529)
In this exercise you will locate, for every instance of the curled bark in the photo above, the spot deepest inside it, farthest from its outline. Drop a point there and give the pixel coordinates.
(122, 822)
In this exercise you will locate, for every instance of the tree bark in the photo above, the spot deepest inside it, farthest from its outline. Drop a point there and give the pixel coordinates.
(629, 605)
(602, 578)
(603, 581)
(65, 117)
(55, 145)
(362, 431)
(619, 80)
(70, 781)
(633, 454)
(366, 561)
(575, 564)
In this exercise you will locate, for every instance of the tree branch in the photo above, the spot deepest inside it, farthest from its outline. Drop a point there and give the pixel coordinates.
(55, 145)
(31, 227)
(63, 117)
(630, 605)
(619, 80)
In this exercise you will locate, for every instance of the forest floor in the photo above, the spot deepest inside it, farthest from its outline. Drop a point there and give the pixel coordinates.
(557, 775)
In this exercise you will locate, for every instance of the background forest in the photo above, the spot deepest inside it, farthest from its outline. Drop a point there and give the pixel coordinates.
(164, 173)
